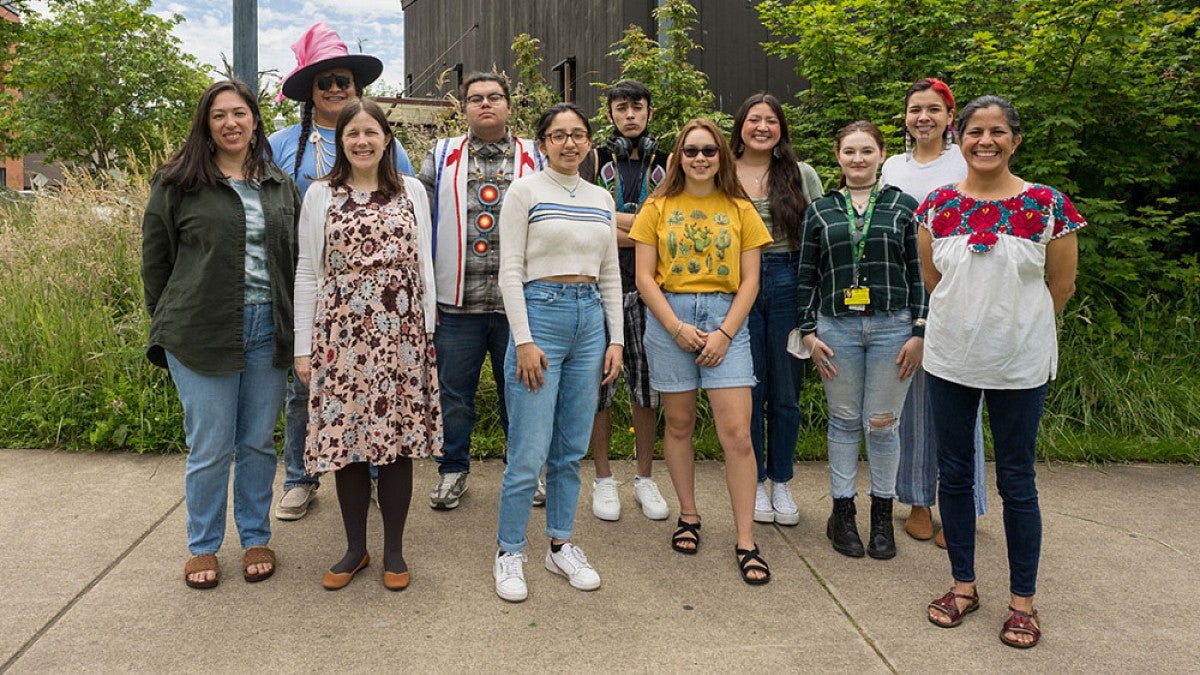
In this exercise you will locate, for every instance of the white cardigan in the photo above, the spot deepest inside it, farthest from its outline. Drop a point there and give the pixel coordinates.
(310, 272)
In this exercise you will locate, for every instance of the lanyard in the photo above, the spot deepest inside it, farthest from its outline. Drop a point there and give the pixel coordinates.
(859, 237)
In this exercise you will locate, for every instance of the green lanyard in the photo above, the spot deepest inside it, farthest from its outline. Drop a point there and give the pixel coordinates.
(860, 246)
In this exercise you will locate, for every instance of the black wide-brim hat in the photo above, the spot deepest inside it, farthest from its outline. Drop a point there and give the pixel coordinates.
(320, 49)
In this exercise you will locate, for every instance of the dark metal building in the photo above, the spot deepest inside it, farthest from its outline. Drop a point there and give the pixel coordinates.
(456, 37)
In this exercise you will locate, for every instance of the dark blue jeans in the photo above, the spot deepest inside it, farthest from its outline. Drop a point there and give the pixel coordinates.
(461, 341)
(775, 415)
(1014, 416)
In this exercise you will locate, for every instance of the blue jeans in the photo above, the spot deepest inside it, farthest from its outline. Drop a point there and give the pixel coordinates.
(227, 417)
(775, 416)
(295, 436)
(916, 481)
(867, 386)
(461, 342)
(1014, 415)
(551, 427)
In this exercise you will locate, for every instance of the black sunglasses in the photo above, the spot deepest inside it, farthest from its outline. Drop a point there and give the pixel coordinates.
(326, 81)
(709, 151)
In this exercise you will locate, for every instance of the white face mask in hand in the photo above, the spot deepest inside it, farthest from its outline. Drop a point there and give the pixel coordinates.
(796, 346)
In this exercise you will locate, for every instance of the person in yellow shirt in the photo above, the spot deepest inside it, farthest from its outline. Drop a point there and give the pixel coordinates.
(698, 241)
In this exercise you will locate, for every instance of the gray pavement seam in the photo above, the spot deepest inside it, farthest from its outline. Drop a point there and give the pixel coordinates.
(1131, 533)
(838, 603)
(12, 660)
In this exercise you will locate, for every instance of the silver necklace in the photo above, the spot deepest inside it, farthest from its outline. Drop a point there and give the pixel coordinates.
(570, 191)
(324, 158)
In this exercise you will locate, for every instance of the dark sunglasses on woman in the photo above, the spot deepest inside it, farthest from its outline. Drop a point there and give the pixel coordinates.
(326, 81)
(709, 151)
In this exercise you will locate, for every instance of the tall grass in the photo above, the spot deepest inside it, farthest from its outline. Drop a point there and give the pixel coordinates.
(72, 368)
(73, 372)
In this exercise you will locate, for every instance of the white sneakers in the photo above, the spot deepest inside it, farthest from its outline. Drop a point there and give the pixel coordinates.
(606, 503)
(763, 513)
(573, 564)
(777, 506)
(645, 492)
(782, 504)
(508, 570)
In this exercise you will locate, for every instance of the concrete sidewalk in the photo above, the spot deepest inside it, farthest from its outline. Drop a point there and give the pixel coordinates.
(93, 549)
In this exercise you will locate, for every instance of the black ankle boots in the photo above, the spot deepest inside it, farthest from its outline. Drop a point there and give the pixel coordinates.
(882, 542)
(842, 530)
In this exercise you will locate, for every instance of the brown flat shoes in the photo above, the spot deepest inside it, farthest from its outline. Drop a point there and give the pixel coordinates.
(396, 581)
(335, 581)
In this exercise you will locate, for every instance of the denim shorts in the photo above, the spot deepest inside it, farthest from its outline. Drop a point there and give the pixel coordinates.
(673, 370)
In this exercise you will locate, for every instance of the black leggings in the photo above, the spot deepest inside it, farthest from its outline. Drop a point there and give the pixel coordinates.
(354, 497)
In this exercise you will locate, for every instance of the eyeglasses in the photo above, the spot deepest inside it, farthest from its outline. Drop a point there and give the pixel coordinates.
(559, 137)
(493, 98)
(709, 151)
(326, 81)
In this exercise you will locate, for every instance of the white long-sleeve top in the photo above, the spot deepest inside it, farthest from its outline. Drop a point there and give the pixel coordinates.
(310, 270)
(545, 231)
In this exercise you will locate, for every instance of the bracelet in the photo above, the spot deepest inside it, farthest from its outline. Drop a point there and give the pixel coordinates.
(678, 330)
(725, 334)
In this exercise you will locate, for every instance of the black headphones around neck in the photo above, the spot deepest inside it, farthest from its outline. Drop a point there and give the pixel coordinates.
(622, 148)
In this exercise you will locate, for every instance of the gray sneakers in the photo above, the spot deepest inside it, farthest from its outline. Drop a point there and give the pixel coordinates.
(293, 505)
(451, 486)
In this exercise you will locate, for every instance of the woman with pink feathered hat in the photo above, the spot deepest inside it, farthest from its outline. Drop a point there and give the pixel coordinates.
(327, 77)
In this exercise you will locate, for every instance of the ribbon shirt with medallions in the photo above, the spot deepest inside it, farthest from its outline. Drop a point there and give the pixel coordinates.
(466, 197)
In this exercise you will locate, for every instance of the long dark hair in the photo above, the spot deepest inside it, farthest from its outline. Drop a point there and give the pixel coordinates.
(867, 128)
(305, 127)
(193, 165)
(785, 185)
(726, 178)
(390, 183)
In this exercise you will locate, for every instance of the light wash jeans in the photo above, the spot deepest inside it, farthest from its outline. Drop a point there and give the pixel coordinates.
(867, 384)
(231, 417)
(551, 426)
(775, 415)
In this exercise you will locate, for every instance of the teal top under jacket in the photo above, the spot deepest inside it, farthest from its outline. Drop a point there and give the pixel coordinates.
(193, 271)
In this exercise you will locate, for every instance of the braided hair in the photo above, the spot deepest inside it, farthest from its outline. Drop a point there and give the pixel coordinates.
(305, 128)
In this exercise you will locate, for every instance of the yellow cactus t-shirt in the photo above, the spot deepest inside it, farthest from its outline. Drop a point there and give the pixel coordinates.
(699, 240)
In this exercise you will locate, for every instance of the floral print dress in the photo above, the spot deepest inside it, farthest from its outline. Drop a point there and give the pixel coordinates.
(374, 386)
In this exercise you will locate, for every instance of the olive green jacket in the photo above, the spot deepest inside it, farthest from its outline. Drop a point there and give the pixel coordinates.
(193, 271)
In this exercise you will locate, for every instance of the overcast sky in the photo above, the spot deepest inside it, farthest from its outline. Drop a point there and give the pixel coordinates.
(207, 31)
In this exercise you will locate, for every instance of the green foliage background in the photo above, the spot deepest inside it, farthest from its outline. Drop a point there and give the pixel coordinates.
(103, 83)
(1107, 90)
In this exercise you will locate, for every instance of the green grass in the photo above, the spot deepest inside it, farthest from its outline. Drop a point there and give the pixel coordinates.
(73, 372)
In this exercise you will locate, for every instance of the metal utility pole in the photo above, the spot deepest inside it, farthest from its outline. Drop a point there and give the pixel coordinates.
(245, 41)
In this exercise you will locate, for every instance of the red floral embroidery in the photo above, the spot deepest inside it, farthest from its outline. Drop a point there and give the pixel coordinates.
(982, 242)
(1042, 195)
(984, 218)
(1013, 204)
(942, 196)
(1027, 223)
(946, 221)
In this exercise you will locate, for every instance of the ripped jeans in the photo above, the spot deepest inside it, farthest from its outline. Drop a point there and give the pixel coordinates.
(865, 397)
